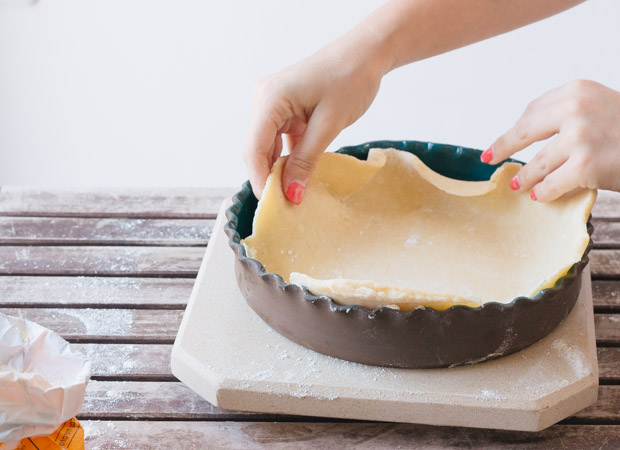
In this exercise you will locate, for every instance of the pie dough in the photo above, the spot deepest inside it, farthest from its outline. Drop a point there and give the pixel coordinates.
(390, 231)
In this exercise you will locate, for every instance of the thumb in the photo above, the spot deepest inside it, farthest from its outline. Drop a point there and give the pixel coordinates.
(302, 161)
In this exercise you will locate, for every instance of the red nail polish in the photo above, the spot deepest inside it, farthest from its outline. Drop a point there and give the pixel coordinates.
(533, 195)
(295, 192)
(514, 183)
(487, 155)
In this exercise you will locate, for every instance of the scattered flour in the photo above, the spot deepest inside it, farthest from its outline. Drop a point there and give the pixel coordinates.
(412, 240)
(573, 356)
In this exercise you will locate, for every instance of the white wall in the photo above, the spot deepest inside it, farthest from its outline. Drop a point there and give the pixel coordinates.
(157, 92)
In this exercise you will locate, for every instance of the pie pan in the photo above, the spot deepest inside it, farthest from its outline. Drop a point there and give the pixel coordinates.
(422, 338)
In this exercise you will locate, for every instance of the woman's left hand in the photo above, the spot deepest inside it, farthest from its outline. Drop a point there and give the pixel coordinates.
(585, 116)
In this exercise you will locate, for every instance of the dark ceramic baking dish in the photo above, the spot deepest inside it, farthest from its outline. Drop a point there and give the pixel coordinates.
(422, 338)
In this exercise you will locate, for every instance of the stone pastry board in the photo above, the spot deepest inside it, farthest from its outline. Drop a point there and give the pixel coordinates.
(229, 356)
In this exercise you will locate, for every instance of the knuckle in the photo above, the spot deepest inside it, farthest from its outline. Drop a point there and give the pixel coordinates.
(301, 164)
(579, 134)
(531, 107)
(549, 188)
(578, 105)
(584, 162)
(580, 86)
(265, 86)
(521, 130)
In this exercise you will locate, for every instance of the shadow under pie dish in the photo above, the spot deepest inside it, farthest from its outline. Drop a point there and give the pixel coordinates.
(422, 256)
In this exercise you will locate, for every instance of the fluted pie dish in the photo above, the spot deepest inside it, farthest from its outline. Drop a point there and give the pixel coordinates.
(410, 254)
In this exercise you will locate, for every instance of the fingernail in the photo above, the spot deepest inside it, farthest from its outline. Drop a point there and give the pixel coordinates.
(295, 192)
(514, 183)
(487, 155)
(533, 195)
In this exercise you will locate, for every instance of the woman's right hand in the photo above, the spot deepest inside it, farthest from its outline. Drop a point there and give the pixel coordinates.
(310, 103)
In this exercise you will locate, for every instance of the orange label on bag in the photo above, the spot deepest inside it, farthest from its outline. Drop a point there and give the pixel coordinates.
(68, 436)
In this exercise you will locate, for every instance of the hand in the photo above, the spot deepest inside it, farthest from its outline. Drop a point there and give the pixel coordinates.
(309, 103)
(584, 117)
(313, 100)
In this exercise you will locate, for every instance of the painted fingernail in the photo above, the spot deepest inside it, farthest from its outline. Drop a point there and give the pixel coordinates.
(514, 183)
(487, 155)
(295, 192)
(533, 195)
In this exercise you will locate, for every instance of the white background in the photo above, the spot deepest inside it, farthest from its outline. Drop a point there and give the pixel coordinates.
(157, 92)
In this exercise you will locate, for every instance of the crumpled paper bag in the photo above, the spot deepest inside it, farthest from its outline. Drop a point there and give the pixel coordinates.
(42, 383)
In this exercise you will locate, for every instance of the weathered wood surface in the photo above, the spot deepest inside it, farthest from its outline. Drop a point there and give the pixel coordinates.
(105, 325)
(110, 261)
(152, 361)
(161, 326)
(173, 400)
(165, 435)
(198, 203)
(94, 292)
(112, 272)
(134, 292)
(159, 202)
(163, 261)
(606, 234)
(607, 205)
(605, 409)
(606, 295)
(161, 232)
(106, 231)
(605, 263)
(132, 362)
(608, 364)
(607, 329)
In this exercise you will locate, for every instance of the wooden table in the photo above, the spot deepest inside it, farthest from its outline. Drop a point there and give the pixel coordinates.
(111, 271)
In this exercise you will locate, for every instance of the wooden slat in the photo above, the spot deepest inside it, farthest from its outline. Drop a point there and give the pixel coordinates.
(107, 231)
(129, 362)
(162, 261)
(606, 294)
(605, 263)
(146, 325)
(94, 292)
(106, 325)
(162, 435)
(151, 400)
(159, 232)
(120, 202)
(111, 261)
(152, 361)
(607, 328)
(173, 400)
(606, 234)
(159, 202)
(44, 291)
(608, 364)
(606, 407)
(607, 205)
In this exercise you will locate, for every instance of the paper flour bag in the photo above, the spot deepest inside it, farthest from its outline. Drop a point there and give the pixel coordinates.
(42, 382)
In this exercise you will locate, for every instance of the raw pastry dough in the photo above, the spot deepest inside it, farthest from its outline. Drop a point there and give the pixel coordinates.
(389, 231)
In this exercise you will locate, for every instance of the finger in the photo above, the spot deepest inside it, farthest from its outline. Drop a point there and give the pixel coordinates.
(552, 156)
(562, 180)
(291, 141)
(300, 165)
(277, 150)
(540, 120)
(259, 149)
(293, 131)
